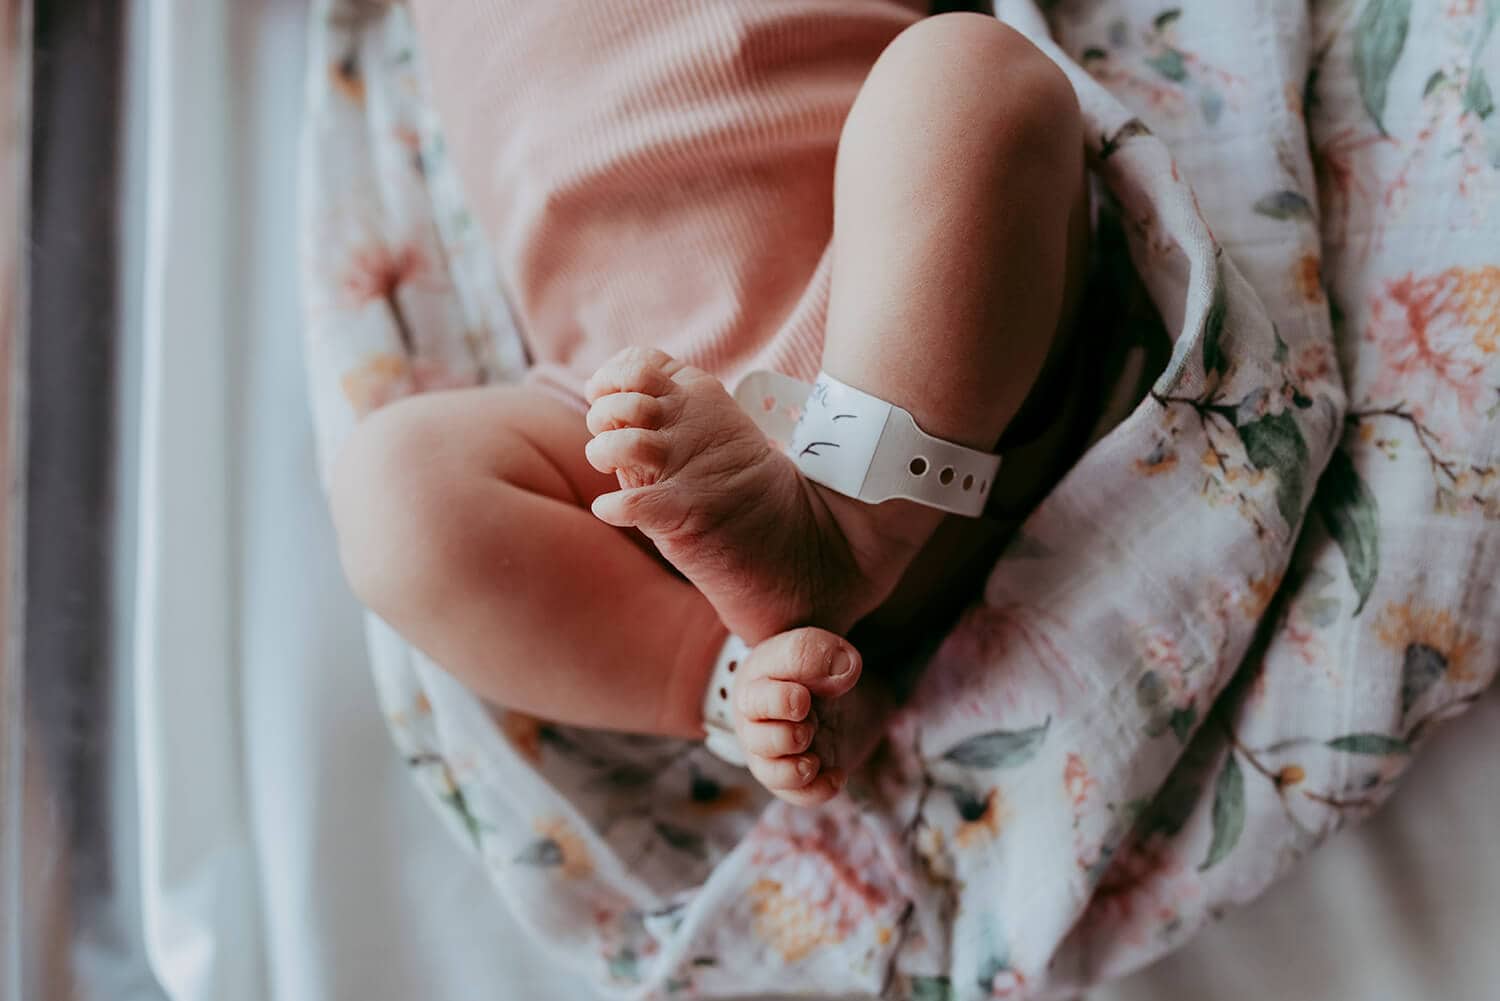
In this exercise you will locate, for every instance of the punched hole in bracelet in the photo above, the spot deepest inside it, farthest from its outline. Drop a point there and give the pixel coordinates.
(918, 466)
(946, 476)
(723, 693)
(968, 482)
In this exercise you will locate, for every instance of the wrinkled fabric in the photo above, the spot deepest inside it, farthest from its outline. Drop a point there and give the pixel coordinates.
(1222, 636)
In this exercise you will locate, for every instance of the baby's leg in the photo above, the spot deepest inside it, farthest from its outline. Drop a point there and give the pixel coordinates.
(960, 232)
(959, 227)
(463, 522)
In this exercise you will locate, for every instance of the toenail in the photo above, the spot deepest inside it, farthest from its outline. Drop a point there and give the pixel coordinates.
(803, 734)
(806, 767)
(843, 664)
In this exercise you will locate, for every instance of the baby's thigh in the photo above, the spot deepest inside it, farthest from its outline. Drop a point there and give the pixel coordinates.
(523, 436)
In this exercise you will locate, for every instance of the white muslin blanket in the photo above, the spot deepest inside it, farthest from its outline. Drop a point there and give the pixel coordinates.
(1222, 636)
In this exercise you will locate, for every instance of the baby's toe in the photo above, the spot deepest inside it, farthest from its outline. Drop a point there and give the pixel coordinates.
(817, 792)
(637, 452)
(775, 739)
(771, 699)
(784, 774)
(624, 410)
(634, 370)
(816, 659)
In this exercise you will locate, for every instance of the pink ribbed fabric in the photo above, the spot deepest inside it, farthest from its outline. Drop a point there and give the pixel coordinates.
(656, 172)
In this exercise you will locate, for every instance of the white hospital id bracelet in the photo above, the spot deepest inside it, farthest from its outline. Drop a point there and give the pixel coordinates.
(718, 724)
(866, 448)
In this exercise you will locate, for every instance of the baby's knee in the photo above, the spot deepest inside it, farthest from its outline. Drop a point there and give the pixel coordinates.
(394, 510)
(989, 81)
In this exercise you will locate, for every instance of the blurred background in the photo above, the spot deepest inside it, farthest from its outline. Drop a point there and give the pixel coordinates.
(198, 800)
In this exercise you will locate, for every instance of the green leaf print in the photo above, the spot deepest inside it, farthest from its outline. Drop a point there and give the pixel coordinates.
(1165, 18)
(1321, 612)
(990, 969)
(1274, 442)
(1421, 668)
(1214, 359)
(625, 965)
(543, 853)
(1477, 96)
(459, 804)
(999, 748)
(1170, 64)
(1379, 36)
(1370, 743)
(1174, 805)
(1434, 82)
(1229, 812)
(1350, 514)
(930, 989)
(1212, 106)
(1284, 205)
(1182, 722)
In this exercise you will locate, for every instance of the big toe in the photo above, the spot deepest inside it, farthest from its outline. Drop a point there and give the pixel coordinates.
(634, 370)
(826, 664)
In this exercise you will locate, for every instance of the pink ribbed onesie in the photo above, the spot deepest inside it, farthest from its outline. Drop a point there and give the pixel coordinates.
(656, 172)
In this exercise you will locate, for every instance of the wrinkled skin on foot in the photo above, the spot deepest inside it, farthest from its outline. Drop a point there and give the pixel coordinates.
(764, 546)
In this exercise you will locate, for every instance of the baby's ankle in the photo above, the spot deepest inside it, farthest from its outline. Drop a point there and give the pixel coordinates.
(881, 540)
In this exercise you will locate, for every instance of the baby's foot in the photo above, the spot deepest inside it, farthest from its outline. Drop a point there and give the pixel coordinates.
(786, 694)
(768, 548)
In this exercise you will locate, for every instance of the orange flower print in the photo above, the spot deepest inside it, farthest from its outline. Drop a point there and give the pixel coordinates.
(992, 816)
(524, 733)
(1307, 278)
(818, 882)
(1162, 459)
(1437, 336)
(1432, 645)
(558, 846)
(1077, 782)
(347, 79)
(788, 922)
(385, 378)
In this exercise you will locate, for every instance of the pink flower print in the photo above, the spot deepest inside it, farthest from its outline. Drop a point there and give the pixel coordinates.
(962, 681)
(1436, 336)
(1144, 889)
(816, 885)
(376, 273)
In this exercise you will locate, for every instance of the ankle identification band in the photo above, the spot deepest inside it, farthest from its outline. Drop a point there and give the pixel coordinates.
(718, 723)
(863, 447)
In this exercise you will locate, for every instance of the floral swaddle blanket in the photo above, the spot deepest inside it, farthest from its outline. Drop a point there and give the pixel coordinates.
(1220, 638)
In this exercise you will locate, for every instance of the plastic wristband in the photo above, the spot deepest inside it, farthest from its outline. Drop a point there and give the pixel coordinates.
(718, 724)
(864, 447)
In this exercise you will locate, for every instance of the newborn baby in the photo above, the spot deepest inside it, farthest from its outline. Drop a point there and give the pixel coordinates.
(679, 192)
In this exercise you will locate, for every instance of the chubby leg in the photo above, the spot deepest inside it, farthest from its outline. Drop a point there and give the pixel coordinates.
(959, 232)
(463, 521)
(958, 236)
